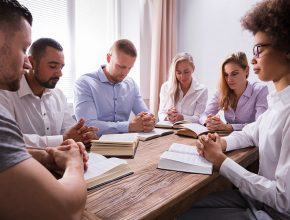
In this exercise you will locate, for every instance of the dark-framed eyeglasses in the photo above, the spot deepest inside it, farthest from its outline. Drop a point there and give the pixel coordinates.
(257, 49)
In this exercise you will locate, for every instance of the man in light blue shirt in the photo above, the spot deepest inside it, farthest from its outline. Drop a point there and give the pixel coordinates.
(107, 97)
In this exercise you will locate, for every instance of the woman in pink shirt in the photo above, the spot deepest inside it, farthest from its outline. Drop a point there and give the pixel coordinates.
(241, 100)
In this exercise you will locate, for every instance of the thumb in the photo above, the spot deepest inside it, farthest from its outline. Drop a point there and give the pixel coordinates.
(217, 138)
(79, 124)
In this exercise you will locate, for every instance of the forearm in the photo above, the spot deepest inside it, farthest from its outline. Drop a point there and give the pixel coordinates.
(73, 181)
(42, 157)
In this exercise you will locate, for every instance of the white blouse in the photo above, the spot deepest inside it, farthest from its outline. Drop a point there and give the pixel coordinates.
(191, 106)
(271, 133)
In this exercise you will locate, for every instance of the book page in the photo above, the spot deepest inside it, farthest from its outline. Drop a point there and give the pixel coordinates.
(126, 137)
(192, 159)
(155, 132)
(183, 148)
(164, 123)
(197, 128)
(99, 164)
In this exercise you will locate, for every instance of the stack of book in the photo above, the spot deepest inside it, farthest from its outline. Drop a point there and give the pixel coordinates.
(116, 144)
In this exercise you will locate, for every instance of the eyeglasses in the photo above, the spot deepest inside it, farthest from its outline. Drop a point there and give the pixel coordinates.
(257, 49)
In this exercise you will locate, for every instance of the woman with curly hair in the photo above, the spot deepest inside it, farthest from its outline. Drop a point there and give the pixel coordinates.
(182, 97)
(265, 195)
(242, 101)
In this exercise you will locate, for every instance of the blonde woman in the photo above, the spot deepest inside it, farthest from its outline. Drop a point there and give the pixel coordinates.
(182, 97)
(242, 101)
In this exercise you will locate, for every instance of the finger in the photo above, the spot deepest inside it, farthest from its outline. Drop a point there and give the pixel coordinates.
(68, 142)
(83, 129)
(79, 124)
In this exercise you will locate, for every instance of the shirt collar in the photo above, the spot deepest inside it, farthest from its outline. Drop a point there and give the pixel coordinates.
(102, 76)
(194, 86)
(26, 90)
(281, 96)
(249, 90)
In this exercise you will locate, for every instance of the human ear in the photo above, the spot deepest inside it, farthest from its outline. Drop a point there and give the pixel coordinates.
(109, 55)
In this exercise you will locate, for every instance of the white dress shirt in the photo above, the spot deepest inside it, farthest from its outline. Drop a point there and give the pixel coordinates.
(191, 106)
(271, 133)
(41, 120)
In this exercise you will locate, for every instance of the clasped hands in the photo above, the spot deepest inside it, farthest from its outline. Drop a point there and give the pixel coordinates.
(68, 154)
(81, 132)
(212, 147)
(143, 122)
(173, 115)
(213, 122)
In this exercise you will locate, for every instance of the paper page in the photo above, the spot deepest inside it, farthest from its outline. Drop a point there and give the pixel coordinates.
(197, 128)
(192, 159)
(165, 123)
(154, 132)
(183, 148)
(99, 164)
(126, 137)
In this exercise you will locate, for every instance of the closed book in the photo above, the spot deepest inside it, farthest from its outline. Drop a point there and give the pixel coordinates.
(185, 158)
(194, 130)
(116, 144)
(102, 170)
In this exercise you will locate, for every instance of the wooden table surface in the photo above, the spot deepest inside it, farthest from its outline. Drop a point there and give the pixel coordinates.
(151, 193)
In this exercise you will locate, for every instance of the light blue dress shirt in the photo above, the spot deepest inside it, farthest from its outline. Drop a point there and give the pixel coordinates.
(106, 105)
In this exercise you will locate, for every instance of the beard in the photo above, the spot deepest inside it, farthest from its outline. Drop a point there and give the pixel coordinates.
(49, 84)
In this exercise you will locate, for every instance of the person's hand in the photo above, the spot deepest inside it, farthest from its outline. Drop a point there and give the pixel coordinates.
(148, 121)
(136, 125)
(211, 147)
(70, 153)
(143, 122)
(173, 115)
(213, 122)
(81, 133)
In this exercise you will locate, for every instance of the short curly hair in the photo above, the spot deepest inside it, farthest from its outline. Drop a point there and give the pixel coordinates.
(273, 18)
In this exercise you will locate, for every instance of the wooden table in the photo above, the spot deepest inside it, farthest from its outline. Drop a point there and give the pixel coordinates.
(152, 193)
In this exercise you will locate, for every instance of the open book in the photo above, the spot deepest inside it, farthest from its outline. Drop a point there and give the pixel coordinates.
(168, 124)
(116, 144)
(185, 158)
(194, 130)
(102, 170)
(156, 132)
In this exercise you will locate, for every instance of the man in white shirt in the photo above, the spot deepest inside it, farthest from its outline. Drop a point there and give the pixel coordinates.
(41, 110)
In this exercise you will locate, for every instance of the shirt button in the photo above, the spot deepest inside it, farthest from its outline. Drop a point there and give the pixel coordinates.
(44, 114)
(47, 128)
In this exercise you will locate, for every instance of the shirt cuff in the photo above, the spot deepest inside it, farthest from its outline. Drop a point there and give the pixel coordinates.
(238, 127)
(54, 141)
(231, 142)
(123, 127)
(233, 171)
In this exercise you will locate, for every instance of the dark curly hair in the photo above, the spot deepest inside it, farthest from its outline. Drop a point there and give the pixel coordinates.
(273, 18)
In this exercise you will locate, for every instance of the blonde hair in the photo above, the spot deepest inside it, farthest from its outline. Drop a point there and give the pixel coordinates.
(173, 82)
(227, 97)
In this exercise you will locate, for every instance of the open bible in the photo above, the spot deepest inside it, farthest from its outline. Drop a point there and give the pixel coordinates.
(168, 124)
(102, 170)
(185, 158)
(194, 130)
